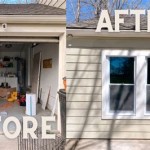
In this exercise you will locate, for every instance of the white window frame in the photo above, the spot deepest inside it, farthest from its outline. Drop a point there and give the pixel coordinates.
(140, 69)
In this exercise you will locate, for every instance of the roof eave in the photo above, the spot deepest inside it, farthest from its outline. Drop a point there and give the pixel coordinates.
(41, 19)
(106, 34)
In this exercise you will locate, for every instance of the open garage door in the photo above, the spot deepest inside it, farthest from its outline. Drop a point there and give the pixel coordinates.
(30, 39)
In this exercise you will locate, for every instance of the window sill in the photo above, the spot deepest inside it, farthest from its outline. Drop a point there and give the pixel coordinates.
(126, 117)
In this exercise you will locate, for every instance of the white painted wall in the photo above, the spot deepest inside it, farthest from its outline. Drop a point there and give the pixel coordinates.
(49, 76)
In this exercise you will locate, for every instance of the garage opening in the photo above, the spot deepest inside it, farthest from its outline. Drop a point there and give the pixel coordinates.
(28, 68)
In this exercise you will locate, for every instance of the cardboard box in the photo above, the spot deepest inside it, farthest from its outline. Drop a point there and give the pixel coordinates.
(5, 92)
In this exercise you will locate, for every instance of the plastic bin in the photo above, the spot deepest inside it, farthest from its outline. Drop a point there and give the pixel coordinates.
(31, 104)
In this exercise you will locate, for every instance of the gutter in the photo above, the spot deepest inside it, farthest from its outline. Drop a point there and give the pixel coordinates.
(40, 19)
(106, 34)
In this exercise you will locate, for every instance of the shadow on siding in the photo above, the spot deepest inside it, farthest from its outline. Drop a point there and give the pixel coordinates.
(74, 144)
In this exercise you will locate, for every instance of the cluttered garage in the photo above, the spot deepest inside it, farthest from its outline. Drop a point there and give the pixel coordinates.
(27, 68)
(32, 60)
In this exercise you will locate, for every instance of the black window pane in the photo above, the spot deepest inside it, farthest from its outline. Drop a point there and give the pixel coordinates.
(122, 70)
(121, 98)
(148, 99)
(148, 71)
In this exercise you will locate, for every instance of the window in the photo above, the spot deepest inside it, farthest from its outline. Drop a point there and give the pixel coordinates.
(148, 86)
(126, 84)
(121, 84)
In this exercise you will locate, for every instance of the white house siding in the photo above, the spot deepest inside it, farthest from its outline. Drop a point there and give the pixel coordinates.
(84, 92)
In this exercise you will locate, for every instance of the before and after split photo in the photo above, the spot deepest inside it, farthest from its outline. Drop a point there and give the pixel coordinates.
(74, 75)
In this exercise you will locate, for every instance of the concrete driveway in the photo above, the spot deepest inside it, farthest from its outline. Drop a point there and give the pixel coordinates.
(7, 144)
(96, 144)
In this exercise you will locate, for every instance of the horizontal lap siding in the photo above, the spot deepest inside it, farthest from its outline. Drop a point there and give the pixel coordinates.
(84, 113)
(84, 90)
(83, 97)
(107, 128)
(109, 135)
(83, 67)
(84, 82)
(96, 121)
(83, 59)
(84, 75)
(84, 101)
(83, 105)
(83, 52)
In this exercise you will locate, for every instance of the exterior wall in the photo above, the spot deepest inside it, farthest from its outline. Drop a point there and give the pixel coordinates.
(95, 42)
(32, 28)
(49, 76)
(84, 92)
